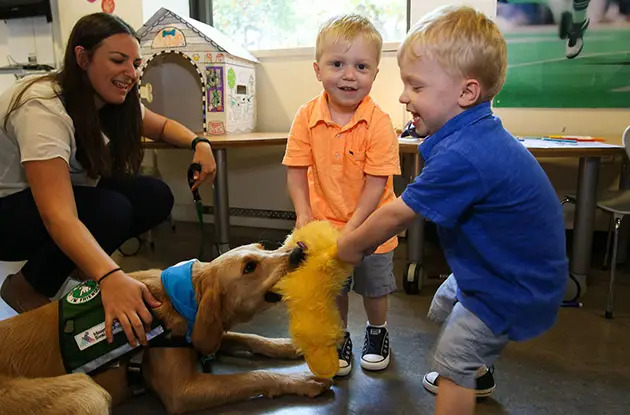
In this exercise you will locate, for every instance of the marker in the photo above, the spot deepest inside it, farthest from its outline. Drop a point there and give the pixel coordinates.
(560, 140)
(578, 137)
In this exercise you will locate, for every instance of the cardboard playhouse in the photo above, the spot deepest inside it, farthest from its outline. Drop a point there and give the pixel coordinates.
(196, 75)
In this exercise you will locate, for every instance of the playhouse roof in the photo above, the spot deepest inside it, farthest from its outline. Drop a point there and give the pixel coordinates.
(207, 32)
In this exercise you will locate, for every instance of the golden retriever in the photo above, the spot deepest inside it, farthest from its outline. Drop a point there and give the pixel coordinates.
(229, 290)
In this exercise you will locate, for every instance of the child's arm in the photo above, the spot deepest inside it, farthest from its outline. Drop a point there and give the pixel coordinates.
(371, 195)
(297, 182)
(298, 158)
(384, 223)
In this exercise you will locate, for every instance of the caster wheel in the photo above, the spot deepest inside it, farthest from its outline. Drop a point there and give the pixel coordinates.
(130, 247)
(412, 281)
(573, 291)
(565, 25)
(608, 315)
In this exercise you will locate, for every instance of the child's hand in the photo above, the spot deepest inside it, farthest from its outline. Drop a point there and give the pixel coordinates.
(347, 229)
(303, 220)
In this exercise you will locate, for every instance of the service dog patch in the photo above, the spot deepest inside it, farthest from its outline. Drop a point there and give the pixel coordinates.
(83, 293)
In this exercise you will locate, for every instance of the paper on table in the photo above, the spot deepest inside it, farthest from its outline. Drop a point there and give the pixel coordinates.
(538, 143)
(410, 140)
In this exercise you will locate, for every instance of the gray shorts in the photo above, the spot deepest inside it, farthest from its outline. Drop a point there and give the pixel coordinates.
(466, 343)
(374, 276)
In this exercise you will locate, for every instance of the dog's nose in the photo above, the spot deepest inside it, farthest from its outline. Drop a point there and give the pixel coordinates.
(297, 256)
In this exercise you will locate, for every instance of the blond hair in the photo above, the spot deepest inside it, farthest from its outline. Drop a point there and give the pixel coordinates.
(463, 42)
(347, 27)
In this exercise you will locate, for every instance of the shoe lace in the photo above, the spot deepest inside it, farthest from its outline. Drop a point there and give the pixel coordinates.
(345, 352)
(375, 343)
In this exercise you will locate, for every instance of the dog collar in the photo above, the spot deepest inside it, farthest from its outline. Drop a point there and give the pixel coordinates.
(177, 282)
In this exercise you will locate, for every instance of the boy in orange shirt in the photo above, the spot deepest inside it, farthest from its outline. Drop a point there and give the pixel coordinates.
(341, 154)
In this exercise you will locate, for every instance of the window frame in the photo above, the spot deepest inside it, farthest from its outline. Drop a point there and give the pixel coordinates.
(202, 11)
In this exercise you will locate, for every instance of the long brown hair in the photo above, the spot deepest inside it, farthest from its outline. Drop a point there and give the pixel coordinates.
(121, 123)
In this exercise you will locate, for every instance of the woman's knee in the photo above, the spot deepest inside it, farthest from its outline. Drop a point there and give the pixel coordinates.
(106, 213)
(157, 198)
(164, 196)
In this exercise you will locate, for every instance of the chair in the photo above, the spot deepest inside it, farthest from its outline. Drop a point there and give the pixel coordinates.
(617, 203)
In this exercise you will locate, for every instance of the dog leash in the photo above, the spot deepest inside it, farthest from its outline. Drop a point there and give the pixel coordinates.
(196, 167)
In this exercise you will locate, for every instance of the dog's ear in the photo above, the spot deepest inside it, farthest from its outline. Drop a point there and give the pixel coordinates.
(208, 328)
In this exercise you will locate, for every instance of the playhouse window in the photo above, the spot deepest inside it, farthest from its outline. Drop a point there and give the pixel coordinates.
(281, 24)
(241, 89)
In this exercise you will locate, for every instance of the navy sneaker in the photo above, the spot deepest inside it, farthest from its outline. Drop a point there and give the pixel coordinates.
(376, 350)
(345, 356)
(485, 383)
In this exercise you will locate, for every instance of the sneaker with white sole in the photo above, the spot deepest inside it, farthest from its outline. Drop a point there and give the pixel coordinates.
(376, 351)
(345, 356)
(485, 383)
(575, 43)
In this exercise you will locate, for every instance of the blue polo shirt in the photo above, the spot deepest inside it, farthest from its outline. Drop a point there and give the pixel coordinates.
(499, 221)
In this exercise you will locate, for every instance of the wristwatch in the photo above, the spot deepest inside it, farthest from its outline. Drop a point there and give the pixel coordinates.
(198, 140)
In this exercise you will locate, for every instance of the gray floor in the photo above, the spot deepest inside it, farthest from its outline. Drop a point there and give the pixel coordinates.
(578, 367)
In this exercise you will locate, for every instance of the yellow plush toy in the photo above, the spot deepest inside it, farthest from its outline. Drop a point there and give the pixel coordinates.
(310, 292)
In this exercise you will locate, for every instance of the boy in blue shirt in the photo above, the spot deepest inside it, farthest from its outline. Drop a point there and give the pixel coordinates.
(499, 220)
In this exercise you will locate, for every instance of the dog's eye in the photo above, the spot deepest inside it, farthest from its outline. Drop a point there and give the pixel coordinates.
(250, 267)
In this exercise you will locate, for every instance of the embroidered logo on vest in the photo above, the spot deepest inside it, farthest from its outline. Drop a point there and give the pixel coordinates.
(83, 292)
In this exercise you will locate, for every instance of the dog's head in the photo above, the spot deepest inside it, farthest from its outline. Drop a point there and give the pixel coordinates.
(235, 286)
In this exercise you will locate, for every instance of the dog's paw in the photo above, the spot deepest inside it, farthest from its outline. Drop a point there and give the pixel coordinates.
(308, 385)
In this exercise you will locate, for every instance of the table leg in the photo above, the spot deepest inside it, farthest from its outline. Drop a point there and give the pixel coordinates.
(414, 273)
(221, 202)
(583, 222)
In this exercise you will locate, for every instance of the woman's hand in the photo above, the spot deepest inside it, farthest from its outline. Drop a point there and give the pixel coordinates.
(203, 156)
(124, 300)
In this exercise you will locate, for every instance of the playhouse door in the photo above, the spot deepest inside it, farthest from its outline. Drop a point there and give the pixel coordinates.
(172, 87)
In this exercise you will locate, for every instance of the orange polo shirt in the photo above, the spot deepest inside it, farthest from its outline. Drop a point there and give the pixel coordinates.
(339, 157)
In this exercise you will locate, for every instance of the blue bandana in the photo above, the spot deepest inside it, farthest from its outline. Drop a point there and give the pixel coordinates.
(177, 282)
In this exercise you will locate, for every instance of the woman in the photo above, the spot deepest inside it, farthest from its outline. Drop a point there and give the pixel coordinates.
(70, 195)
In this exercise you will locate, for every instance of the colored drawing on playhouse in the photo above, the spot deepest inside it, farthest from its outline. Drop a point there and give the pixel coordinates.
(196, 75)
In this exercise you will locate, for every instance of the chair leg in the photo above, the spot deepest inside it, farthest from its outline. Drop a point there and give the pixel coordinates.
(171, 221)
(608, 241)
(613, 268)
(149, 235)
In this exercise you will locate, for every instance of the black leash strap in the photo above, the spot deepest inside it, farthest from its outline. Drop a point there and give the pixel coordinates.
(192, 169)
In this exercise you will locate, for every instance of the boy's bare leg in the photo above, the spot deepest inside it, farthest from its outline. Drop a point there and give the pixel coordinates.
(453, 399)
(376, 309)
(342, 305)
